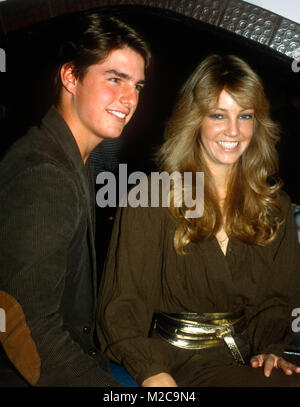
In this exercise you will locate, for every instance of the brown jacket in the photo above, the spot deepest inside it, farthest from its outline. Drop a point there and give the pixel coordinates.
(47, 256)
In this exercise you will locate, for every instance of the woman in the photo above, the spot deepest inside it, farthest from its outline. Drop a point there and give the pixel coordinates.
(241, 256)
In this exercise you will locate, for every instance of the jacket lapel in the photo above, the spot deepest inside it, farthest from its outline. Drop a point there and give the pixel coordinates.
(58, 129)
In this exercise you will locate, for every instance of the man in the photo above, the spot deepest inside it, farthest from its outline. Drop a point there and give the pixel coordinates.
(47, 254)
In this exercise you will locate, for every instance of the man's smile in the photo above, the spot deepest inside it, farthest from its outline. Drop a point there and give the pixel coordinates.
(117, 113)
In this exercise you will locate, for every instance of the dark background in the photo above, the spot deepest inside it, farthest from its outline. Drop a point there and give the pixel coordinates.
(178, 44)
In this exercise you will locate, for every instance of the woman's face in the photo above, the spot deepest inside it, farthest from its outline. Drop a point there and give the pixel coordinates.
(226, 132)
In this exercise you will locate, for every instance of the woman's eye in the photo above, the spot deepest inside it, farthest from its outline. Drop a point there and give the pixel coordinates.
(216, 116)
(247, 116)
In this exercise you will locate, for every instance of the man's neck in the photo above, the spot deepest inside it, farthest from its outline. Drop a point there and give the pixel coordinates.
(84, 142)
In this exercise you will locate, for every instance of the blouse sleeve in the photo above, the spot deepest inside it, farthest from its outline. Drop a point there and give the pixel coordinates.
(270, 326)
(130, 292)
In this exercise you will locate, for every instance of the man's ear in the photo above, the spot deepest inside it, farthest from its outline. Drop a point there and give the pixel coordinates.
(68, 78)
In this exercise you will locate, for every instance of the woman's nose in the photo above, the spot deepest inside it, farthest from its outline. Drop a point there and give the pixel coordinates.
(232, 128)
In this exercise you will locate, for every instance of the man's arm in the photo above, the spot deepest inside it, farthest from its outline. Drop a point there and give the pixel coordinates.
(40, 212)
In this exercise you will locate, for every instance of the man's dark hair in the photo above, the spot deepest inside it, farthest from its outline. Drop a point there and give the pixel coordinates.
(91, 37)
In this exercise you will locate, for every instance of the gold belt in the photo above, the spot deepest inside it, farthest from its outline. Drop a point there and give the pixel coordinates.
(198, 331)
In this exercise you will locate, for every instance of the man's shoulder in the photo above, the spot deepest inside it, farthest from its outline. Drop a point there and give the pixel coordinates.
(31, 155)
(35, 148)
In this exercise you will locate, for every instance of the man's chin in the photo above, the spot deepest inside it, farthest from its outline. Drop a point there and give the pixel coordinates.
(110, 135)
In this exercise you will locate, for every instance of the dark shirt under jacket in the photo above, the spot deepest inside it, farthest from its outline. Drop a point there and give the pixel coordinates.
(47, 256)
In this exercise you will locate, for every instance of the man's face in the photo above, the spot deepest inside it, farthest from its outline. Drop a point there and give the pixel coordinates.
(105, 100)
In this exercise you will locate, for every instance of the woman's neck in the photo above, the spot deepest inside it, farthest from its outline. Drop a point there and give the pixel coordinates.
(221, 179)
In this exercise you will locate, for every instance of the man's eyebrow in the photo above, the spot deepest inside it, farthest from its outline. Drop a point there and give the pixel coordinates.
(122, 75)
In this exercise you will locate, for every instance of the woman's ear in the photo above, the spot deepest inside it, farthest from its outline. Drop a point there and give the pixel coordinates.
(68, 78)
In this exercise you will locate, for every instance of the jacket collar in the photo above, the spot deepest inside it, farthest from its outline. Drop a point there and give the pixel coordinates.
(60, 132)
(58, 129)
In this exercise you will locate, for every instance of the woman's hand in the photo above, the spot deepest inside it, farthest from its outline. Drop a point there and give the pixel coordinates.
(159, 380)
(269, 361)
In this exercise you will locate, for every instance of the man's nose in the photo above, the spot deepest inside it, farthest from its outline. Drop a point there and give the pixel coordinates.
(129, 96)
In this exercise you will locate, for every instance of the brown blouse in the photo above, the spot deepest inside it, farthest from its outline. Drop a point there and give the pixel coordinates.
(144, 275)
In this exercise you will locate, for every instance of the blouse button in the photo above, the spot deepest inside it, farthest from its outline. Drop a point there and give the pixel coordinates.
(86, 330)
(92, 352)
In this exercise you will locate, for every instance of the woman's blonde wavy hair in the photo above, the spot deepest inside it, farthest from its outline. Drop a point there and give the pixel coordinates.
(252, 210)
